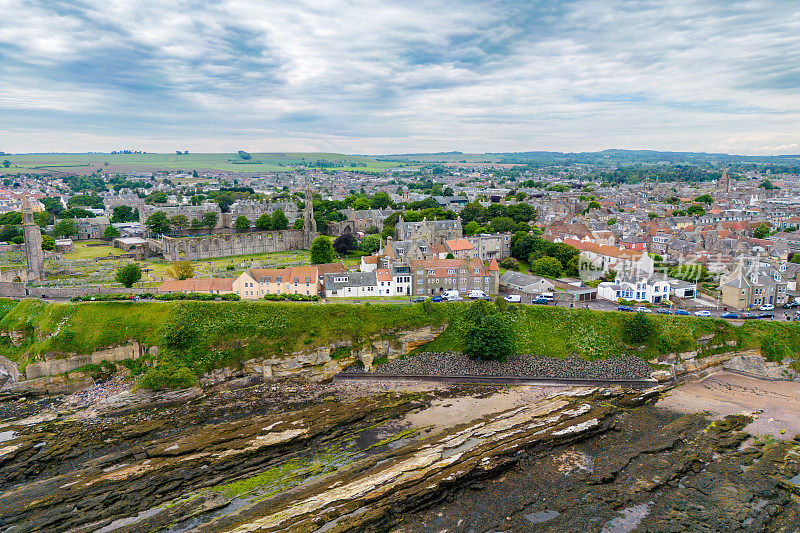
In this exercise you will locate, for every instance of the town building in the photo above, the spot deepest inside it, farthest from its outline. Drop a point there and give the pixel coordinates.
(254, 283)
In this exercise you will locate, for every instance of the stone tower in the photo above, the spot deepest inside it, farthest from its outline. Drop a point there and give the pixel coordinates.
(33, 243)
(309, 224)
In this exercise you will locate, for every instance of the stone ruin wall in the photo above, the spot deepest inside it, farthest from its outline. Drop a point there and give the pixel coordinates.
(224, 245)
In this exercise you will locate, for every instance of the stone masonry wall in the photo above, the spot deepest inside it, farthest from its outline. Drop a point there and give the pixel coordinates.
(68, 364)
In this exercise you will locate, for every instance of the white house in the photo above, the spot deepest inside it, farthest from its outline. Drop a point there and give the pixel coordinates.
(385, 282)
(401, 277)
(640, 289)
(351, 285)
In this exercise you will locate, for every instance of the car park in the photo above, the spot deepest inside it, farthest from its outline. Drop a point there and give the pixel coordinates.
(663, 312)
(418, 299)
(643, 310)
(729, 315)
(513, 298)
(767, 307)
(682, 312)
(703, 312)
(625, 308)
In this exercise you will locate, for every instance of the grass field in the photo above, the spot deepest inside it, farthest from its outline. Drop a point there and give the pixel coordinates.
(259, 162)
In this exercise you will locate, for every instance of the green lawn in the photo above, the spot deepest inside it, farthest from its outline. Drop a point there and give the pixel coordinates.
(84, 251)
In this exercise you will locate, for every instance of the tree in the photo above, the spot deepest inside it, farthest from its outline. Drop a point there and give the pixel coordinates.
(298, 223)
(361, 204)
(225, 201)
(370, 244)
(473, 211)
(639, 327)
(491, 338)
(157, 223)
(242, 223)
(124, 213)
(704, 199)
(279, 220)
(43, 218)
(65, 228)
(502, 225)
(210, 219)
(6, 163)
(472, 228)
(651, 216)
(761, 231)
(696, 210)
(766, 184)
(345, 244)
(380, 201)
(264, 222)
(546, 266)
(678, 213)
(196, 224)
(111, 233)
(181, 270)
(179, 222)
(322, 251)
(48, 243)
(129, 274)
(157, 197)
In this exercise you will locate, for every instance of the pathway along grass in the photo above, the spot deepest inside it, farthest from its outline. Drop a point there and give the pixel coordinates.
(201, 336)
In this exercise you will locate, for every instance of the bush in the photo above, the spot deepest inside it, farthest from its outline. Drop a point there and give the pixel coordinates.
(129, 274)
(168, 374)
(491, 339)
(291, 297)
(639, 327)
(509, 263)
(773, 349)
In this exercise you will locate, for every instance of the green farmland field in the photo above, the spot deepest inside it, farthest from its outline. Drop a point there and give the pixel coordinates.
(231, 162)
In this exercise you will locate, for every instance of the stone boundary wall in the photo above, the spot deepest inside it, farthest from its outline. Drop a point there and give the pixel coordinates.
(228, 244)
(68, 364)
(11, 289)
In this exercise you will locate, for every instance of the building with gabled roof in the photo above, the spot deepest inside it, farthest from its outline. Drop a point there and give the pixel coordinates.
(254, 283)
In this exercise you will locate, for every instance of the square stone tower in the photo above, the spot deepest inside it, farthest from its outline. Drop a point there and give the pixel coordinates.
(33, 243)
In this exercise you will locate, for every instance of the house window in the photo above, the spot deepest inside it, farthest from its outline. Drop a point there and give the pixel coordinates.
(431, 271)
(451, 271)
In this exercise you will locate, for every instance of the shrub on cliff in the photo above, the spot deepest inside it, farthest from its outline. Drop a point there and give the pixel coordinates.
(168, 374)
(639, 327)
(492, 338)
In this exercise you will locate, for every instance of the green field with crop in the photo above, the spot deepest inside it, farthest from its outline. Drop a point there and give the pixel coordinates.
(258, 162)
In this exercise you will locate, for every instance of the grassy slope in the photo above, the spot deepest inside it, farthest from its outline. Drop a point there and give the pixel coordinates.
(205, 335)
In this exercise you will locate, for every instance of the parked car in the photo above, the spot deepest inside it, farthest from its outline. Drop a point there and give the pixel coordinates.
(418, 299)
(703, 312)
(766, 315)
(663, 312)
(475, 294)
(794, 304)
(547, 296)
(625, 308)
(455, 298)
(540, 301)
(514, 298)
(437, 299)
(767, 307)
(682, 312)
(643, 310)
(729, 315)
(748, 316)
(486, 298)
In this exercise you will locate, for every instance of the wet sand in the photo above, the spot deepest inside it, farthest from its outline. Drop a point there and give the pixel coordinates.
(776, 404)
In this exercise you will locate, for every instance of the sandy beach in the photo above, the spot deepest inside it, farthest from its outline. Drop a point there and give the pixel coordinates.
(775, 403)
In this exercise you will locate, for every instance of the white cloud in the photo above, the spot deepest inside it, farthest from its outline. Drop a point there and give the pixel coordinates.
(387, 77)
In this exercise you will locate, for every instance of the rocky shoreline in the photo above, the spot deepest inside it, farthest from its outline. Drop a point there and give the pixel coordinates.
(456, 364)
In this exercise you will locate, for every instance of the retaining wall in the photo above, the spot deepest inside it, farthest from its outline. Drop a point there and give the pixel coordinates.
(68, 364)
(12, 289)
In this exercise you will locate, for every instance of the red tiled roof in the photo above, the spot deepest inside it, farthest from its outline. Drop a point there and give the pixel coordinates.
(458, 245)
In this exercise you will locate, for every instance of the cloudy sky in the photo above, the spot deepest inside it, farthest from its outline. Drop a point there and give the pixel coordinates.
(388, 77)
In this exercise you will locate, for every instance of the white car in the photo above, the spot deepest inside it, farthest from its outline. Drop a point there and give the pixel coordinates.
(513, 298)
(455, 298)
(767, 307)
(703, 312)
(643, 310)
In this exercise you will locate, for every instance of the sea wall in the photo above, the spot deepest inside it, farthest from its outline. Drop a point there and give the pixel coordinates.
(52, 366)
